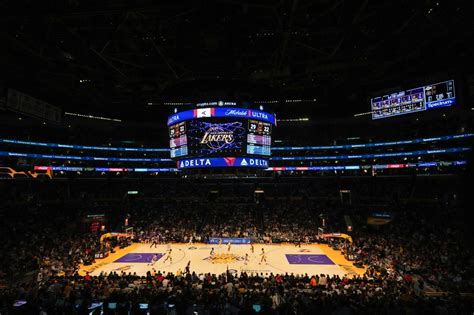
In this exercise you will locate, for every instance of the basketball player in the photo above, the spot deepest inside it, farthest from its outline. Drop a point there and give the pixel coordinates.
(260, 128)
(298, 243)
(212, 252)
(154, 259)
(251, 248)
(154, 241)
(168, 257)
(228, 246)
(264, 257)
(220, 242)
(246, 259)
(186, 270)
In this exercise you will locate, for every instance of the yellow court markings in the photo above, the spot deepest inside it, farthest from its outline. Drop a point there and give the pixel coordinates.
(339, 259)
(119, 252)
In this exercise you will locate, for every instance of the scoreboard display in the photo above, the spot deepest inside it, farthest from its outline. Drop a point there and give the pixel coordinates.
(221, 137)
(178, 140)
(259, 138)
(414, 100)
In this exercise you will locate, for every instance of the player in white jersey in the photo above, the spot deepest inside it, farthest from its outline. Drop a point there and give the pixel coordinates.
(154, 259)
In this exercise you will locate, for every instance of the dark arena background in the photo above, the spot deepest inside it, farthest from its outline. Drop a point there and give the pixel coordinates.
(236, 157)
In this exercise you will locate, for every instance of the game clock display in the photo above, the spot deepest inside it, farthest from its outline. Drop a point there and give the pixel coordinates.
(178, 140)
(414, 100)
(221, 133)
(259, 137)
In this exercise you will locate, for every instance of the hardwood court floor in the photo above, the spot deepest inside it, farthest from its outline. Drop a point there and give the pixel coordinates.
(310, 259)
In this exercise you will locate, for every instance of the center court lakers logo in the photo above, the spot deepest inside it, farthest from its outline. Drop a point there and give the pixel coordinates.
(224, 258)
(123, 268)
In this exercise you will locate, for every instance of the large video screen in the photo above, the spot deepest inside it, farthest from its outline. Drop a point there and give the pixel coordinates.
(216, 137)
(414, 100)
(221, 137)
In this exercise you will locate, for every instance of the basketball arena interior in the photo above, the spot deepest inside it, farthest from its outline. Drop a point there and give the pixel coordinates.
(236, 157)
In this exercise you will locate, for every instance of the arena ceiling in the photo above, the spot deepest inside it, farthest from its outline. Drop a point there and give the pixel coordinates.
(128, 61)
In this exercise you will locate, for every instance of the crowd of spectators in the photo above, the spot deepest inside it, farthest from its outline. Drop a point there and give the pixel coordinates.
(42, 238)
(295, 222)
(417, 245)
(171, 223)
(418, 252)
(229, 293)
(238, 221)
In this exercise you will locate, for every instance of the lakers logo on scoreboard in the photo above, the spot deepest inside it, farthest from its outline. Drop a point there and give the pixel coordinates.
(208, 137)
(217, 135)
(224, 258)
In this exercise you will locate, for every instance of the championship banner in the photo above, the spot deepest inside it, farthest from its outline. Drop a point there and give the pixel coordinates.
(33, 107)
(222, 162)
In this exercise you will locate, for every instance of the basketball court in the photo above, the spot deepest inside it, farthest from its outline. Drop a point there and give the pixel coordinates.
(311, 259)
